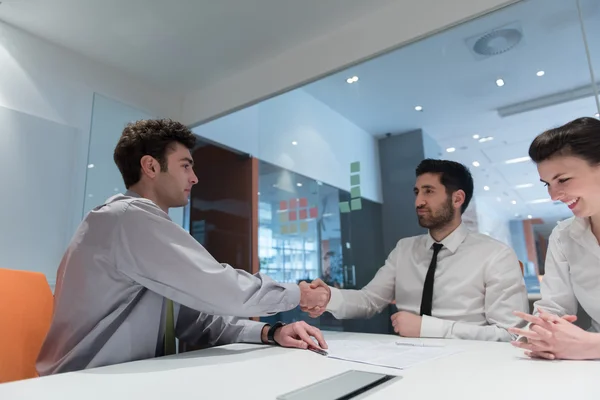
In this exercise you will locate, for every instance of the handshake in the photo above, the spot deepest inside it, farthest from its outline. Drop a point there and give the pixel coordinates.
(314, 297)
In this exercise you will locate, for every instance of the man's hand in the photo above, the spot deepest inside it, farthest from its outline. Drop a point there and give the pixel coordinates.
(407, 324)
(298, 335)
(552, 337)
(314, 297)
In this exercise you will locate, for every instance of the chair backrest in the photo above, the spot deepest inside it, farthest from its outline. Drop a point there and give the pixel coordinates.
(26, 304)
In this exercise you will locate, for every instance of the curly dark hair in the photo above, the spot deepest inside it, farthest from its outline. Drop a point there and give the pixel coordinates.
(152, 137)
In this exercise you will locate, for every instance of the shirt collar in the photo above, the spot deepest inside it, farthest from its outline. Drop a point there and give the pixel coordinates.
(131, 193)
(579, 227)
(452, 241)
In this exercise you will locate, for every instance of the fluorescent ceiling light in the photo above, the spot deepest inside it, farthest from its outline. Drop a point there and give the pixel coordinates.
(475, 136)
(418, 108)
(486, 139)
(476, 163)
(524, 186)
(514, 202)
(299, 184)
(90, 165)
(486, 188)
(500, 82)
(352, 80)
(547, 101)
(530, 216)
(450, 149)
(517, 160)
(294, 143)
(540, 201)
(541, 73)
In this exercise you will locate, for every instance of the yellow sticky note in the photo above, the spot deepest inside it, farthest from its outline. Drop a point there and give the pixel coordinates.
(283, 217)
(303, 227)
(285, 229)
(293, 228)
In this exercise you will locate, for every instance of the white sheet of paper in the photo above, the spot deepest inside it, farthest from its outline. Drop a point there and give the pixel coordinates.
(386, 354)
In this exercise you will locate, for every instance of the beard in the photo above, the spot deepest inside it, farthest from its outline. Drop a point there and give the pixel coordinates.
(439, 218)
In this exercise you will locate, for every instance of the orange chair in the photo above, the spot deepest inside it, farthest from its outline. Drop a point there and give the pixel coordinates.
(26, 305)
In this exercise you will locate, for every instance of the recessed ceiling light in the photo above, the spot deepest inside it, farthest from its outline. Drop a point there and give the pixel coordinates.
(530, 216)
(295, 143)
(500, 82)
(524, 186)
(299, 184)
(486, 188)
(90, 165)
(418, 108)
(486, 139)
(450, 149)
(541, 73)
(517, 160)
(476, 163)
(352, 79)
(475, 136)
(514, 202)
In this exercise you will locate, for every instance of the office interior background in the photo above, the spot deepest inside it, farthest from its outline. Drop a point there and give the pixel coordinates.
(316, 181)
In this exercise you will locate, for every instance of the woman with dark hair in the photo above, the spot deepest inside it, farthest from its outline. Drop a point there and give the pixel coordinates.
(568, 162)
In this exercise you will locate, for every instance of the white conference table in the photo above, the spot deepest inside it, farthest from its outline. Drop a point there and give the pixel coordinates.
(240, 371)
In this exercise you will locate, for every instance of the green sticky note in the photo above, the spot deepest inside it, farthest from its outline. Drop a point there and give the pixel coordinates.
(356, 204)
(283, 217)
(355, 192)
(293, 228)
(344, 207)
(355, 167)
(285, 230)
(354, 180)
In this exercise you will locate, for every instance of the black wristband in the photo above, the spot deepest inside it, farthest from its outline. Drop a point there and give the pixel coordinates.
(271, 332)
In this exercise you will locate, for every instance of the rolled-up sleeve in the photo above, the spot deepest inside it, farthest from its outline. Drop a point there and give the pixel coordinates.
(155, 252)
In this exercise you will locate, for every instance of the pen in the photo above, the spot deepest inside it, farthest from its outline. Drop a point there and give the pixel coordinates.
(318, 351)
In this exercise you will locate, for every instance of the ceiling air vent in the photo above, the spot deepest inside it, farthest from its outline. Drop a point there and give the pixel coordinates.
(496, 41)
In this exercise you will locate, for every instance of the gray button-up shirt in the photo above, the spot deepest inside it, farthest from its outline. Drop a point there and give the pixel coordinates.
(126, 257)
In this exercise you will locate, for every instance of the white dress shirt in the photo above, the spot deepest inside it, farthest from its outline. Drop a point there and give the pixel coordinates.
(572, 271)
(478, 284)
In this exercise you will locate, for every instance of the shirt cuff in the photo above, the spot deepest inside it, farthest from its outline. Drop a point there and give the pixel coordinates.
(252, 332)
(432, 327)
(336, 300)
(292, 297)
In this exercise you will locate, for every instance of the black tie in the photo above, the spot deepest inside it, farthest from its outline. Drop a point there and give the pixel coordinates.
(427, 298)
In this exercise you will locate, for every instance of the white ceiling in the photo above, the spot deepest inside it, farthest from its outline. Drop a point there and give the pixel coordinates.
(182, 44)
(460, 97)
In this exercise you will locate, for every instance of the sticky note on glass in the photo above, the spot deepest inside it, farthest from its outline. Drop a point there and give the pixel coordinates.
(293, 204)
(283, 205)
(293, 216)
(303, 227)
(355, 167)
(283, 217)
(303, 202)
(344, 207)
(314, 212)
(354, 180)
(284, 229)
(293, 228)
(356, 204)
(303, 214)
(355, 192)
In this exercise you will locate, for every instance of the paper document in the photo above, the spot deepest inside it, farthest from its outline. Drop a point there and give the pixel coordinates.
(390, 354)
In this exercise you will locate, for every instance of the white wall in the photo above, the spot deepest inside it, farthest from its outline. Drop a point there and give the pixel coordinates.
(327, 142)
(44, 82)
(375, 33)
(492, 222)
